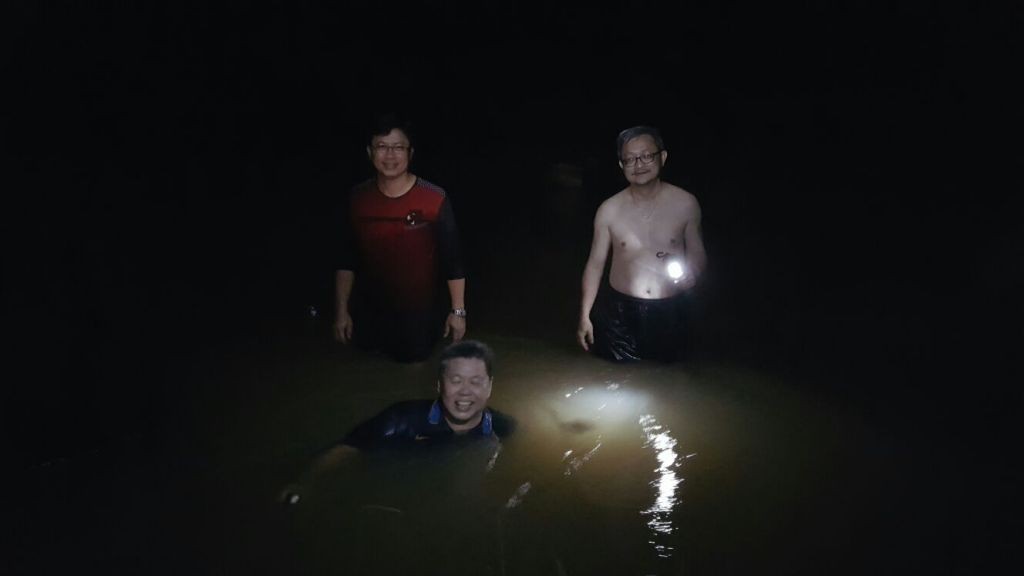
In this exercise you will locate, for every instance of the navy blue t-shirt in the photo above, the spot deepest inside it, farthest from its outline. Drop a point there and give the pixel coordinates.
(422, 421)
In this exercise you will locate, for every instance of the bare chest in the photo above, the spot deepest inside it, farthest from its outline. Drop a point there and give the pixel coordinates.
(641, 232)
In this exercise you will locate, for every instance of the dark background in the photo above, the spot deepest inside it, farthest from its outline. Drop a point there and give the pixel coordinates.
(169, 174)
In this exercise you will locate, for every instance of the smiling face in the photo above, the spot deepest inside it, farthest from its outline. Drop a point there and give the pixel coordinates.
(465, 388)
(390, 153)
(636, 170)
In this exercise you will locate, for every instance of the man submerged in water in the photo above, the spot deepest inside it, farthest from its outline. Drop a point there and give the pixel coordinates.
(459, 412)
(464, 384)
(653, 230)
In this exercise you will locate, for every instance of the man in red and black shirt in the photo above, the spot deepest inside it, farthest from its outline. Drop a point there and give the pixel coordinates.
(399, 236)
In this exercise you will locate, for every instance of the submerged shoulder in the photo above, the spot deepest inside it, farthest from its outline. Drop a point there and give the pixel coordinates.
(503, 424)
(399, 414)
(397, 421)
(417, 406)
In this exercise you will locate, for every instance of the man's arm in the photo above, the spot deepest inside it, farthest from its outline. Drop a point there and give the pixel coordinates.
(452, 266)
(592, 273)
(456, 325)
(343, 281)
(365, 434)
(344, 275)
(696, 258)
(329, 460)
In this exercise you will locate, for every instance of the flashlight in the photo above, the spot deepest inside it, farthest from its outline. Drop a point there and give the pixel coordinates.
(674, 268)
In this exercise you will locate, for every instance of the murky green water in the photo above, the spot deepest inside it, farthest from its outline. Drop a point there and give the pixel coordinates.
(614, 469)
(638, 469)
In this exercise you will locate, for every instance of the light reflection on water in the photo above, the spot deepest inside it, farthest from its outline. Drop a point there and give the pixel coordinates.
(594, 427)
(589, 405)
(576, 463)
(660, 439)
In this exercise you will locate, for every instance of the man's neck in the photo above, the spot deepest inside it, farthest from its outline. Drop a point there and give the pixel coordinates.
(397, 186)
(645, 191)
(463, 427)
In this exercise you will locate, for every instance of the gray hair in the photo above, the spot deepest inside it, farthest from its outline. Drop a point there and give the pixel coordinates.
(635, 132)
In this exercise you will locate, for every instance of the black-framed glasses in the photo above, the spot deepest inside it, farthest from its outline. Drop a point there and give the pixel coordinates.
(645, 158)
(382, 148)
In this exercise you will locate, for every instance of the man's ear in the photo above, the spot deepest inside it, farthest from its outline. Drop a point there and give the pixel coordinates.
(664, 156)
(369, 153)
(438, 386)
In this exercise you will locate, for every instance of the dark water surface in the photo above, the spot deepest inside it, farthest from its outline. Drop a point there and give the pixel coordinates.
(639, 469)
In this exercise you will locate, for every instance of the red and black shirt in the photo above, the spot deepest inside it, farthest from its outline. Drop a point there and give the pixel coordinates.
(400, 247)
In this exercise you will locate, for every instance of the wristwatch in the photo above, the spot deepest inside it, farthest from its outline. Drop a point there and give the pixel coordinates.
(460, 312)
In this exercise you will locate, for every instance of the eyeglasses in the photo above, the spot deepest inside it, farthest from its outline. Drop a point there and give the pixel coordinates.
(645, 158)
(382, 148)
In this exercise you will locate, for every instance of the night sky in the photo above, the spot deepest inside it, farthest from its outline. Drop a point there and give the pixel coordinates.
(171, 172)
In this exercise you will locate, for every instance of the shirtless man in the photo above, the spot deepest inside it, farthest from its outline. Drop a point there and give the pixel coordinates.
(653, 230)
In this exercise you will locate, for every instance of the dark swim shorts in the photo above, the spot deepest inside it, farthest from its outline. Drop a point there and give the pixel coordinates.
(628, 329)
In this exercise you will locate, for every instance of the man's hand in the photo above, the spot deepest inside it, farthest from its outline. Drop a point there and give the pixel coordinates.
(688, 281)
(456, 326)
(343, 328)
(585, 333)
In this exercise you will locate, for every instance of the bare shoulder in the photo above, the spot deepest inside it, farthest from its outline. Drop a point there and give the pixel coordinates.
(680, 197)
(682, 202)
(610, 208)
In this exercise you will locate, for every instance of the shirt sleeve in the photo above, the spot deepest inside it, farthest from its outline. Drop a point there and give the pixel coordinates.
(448, 242)
(400, 421)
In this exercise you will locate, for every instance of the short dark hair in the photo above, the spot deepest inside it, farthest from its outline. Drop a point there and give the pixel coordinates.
(385, 123)
(466, 349)
(635, 132)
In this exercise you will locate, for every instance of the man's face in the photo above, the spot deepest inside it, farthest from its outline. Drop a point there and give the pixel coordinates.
(632, 163)
(390, 154)
(465, 388)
